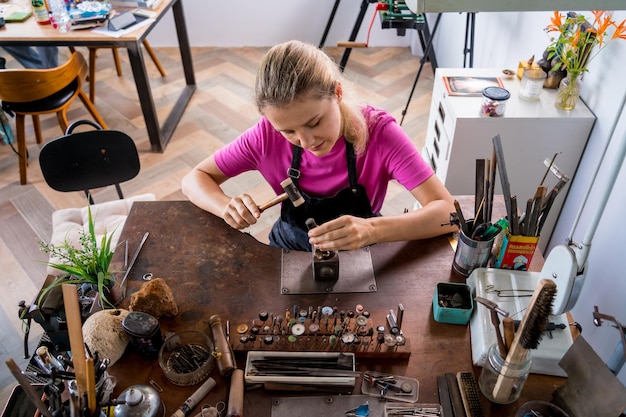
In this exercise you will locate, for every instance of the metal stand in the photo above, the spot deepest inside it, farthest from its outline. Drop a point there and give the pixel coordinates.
(427, 52)
(400, 24)
(355, 32)
(470, 25)
(329, 23)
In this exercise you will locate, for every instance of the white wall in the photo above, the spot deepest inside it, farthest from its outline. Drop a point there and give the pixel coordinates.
(266, 23)
(502, 40)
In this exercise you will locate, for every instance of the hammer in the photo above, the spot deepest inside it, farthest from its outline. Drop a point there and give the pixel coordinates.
(291, 193)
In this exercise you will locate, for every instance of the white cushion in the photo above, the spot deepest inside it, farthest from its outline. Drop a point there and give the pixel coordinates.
(108, 217)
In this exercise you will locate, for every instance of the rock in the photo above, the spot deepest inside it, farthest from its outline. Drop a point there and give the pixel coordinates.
(103, 333)
(155, 298)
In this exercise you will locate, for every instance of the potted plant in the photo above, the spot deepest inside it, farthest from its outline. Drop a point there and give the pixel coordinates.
(86, 264)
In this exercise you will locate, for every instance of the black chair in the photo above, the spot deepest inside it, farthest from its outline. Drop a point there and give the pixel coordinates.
(88, 160)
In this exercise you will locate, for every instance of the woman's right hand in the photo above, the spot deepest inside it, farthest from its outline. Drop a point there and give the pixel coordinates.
(241, 212)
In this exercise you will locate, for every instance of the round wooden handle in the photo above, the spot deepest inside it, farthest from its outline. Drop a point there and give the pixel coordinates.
(235, 396)
(348, 44)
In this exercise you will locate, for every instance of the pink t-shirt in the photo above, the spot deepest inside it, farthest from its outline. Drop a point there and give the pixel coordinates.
(389, 155)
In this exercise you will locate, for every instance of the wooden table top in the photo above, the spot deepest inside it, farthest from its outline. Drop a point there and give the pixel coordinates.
(29, 32)
(214, 269)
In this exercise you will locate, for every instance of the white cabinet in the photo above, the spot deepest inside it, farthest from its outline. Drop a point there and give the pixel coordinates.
(530, 131)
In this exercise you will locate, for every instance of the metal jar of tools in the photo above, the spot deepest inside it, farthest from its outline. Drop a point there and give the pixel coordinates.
(500, 381)
(471, 252)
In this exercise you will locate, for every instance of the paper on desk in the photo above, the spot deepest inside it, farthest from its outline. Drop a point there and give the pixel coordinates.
(119, 33)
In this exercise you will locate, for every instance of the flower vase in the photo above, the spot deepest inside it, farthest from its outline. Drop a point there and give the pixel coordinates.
(568, 93)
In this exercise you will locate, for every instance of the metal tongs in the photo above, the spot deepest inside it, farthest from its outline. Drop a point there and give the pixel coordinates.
(132, 262)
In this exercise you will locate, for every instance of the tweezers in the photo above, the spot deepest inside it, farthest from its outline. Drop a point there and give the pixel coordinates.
(509, 292)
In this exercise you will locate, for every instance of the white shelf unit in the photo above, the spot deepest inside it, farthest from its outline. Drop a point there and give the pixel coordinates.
(530, 131)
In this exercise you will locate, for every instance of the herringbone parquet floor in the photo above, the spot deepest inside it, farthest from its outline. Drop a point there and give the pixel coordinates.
(220, 109)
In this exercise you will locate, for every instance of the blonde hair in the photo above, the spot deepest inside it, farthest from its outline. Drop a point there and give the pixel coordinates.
(295, 69)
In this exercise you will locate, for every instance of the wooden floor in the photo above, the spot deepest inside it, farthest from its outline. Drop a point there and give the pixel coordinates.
(221, 108)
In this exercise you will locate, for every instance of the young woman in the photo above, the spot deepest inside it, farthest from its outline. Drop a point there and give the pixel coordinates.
(341, 158)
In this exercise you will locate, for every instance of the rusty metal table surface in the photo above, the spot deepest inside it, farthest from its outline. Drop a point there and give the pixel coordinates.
(214, 269)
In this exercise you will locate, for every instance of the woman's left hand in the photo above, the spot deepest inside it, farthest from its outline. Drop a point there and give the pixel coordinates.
(344, 233)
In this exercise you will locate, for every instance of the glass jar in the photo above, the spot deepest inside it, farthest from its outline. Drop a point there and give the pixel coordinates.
(494, 101)
(532, 83)
(500, 381)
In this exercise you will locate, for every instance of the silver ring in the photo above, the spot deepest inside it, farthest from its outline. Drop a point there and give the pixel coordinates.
(147, 277)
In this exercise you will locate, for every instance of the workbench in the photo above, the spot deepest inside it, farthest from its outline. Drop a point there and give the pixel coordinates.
(214, 269)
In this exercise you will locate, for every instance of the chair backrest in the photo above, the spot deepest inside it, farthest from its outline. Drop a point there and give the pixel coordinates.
(88, 160)
(27, 85)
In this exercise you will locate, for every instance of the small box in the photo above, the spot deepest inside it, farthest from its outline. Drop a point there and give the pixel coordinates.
(516, 252)
(523, 65)
(452, 303)
(253, 376)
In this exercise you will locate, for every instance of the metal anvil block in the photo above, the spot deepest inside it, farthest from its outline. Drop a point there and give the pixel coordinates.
(325, 265)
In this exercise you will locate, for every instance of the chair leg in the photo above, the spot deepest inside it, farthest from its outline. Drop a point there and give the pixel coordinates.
(62, 119)
(92, 109)
(37, 126)
(116, 60)
(21, 147)
(92, 73)
(154, 57)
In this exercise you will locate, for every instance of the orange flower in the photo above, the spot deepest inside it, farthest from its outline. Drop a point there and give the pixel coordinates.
(620, 31)
(556, 22)
(576, 44)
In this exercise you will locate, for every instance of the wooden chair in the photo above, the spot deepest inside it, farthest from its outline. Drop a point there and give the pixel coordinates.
(43, 91)
(118, 67)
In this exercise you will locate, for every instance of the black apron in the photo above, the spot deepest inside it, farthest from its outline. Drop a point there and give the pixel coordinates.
(290, 231)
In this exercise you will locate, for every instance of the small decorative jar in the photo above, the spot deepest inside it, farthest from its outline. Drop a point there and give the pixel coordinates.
(145, 333)
(494, 101)
(500, 381)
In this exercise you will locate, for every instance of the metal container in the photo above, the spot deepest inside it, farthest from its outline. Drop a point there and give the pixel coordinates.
(140, 401)
(145, 333)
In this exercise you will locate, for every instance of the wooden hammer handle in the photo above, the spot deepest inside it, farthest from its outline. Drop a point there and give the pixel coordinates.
(273, 202)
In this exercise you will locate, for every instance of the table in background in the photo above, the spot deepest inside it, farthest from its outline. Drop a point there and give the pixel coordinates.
(29, 33)
(214, 269)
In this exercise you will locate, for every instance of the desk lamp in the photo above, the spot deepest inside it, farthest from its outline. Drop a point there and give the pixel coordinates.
(566, 265)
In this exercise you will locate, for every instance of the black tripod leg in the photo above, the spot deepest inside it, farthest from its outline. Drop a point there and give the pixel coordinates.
(422, 62)
(470, 24)
(431, 56)
(355, 32)
(329, 24)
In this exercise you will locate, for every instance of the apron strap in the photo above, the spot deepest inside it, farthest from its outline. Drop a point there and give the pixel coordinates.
(296, 157)
(294, 170)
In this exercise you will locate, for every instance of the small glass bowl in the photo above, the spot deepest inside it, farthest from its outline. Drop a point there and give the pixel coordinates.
(542, 408)
(186, 357)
